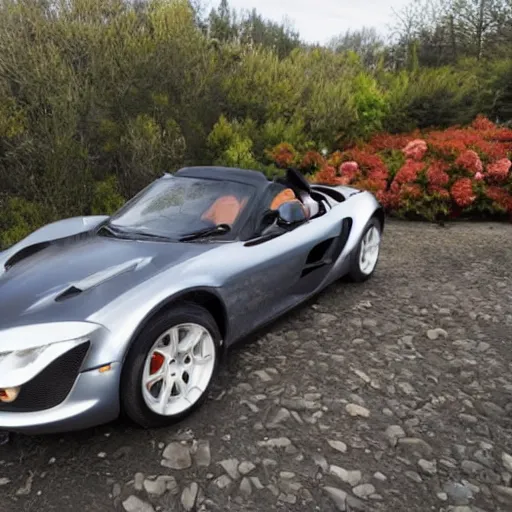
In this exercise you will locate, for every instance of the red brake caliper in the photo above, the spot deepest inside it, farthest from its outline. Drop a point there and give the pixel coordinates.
(157, 361)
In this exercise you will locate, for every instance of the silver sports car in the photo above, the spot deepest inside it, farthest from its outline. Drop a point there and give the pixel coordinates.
(132, 312)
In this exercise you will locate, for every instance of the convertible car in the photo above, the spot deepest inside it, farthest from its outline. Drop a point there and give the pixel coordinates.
(131, 313)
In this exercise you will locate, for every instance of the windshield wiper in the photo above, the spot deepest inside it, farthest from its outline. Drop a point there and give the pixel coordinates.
(110, 230)
(130, 234)
(219, 229)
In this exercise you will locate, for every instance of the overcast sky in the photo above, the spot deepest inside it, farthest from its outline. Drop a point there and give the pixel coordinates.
(319, 20)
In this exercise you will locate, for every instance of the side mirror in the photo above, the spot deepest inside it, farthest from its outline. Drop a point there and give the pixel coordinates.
(291, 213)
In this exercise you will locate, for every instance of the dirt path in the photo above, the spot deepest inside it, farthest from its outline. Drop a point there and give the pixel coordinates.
(394, 395)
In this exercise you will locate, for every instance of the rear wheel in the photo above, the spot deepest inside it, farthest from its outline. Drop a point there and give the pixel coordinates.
(170, 367)
(366, 255)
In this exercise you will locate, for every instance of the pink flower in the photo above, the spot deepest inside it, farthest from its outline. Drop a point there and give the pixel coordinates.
(349, 170)
(416, 149)
(479, 176)
(349, 167)
(470, 160)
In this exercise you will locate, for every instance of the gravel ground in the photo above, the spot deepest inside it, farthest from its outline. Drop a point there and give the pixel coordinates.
(394, 395)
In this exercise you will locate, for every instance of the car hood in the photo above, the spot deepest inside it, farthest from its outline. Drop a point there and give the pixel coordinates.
(73, 278)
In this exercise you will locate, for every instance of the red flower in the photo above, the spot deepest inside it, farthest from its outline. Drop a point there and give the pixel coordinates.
(499, 170)
(327, 176)
(367, 162)
(492, 150)
(436, 174)
(371, 184)
(389, 199)
(481, 123)
(462, 192)
(383, 141)
(440, 192)
(411, 190)
(500, 196)
(448, 147)
(502, 135)
(283, 155)
(470, 160)
(479, 176)
(312, 159)
(416, 149)
(408, 172)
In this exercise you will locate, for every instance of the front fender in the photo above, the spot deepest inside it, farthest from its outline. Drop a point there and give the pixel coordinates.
(59, 229)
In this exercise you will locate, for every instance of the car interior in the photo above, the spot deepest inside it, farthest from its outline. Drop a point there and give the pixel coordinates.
(316, 202)
(297, 191)
(292, 200)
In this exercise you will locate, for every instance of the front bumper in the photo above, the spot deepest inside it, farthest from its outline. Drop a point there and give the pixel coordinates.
(93, 400)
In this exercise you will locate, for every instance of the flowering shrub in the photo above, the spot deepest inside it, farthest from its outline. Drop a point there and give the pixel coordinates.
(284, 155)
(461, 171)
(416, 149)
(470, 161)
(462, 192)
(499, 170)
(312, 161)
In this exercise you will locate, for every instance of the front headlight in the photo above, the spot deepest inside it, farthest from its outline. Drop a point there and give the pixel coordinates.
(23, 358)
(19, 366)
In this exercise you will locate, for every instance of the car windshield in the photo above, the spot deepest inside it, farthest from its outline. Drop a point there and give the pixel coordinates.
(176, 207)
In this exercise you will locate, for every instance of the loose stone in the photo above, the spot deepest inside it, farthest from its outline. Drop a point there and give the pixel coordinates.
(246, 467)
(176, 456)
(363, 490)
(134, 504)
(189, 495)
(338, 446)
(357, 410)
(338, 496)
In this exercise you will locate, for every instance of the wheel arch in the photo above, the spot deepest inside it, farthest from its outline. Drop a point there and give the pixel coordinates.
(200, 296)
(380, 215)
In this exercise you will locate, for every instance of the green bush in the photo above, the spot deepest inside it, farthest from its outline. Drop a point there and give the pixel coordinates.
(428, 98)
(19, 219)
(99, 97)
(106, 198)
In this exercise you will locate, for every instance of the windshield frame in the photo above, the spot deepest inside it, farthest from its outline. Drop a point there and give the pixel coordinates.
(231, 235)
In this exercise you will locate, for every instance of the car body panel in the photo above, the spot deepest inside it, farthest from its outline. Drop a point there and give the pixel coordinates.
(54, 231)
(94, 400)
(113, 287)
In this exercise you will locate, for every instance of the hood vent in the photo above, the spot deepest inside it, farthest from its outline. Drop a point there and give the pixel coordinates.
(25, 253)
(71, 292)
(98, 278)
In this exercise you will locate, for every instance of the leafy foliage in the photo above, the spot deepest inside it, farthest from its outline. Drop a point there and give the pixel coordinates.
(99, 97)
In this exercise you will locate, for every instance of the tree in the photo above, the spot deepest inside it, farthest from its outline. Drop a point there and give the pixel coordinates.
(281, 38)
(447, 30)
(367, 43)
(222, 23)
(477, 22)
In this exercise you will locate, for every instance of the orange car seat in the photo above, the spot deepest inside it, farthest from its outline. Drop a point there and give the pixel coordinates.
(225, 210)
(288, 196)
(284, 196)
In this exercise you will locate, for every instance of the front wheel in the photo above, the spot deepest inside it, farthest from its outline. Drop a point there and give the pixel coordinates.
(366, 255)
(170, 367)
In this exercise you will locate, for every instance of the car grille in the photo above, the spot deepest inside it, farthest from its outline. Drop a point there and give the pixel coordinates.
(50, 387)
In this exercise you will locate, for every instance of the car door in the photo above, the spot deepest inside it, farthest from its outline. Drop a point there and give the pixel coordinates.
(281, 272)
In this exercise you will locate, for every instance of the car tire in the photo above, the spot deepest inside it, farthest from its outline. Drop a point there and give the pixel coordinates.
(139, 400)
(358, 271)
